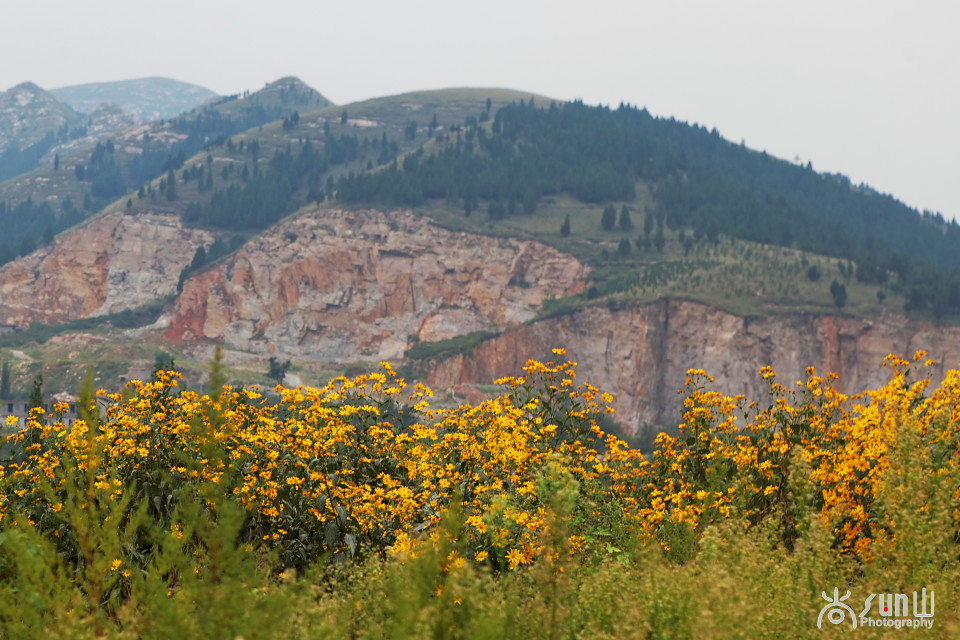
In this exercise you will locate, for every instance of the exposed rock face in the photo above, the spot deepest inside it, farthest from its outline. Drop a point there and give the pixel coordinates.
(346, 286)
(364, 285)
(641, 354)
(112, 263)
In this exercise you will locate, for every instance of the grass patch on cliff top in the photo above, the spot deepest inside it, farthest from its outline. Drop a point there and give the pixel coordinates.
(446, 348)
(126, 319)
(737, 276)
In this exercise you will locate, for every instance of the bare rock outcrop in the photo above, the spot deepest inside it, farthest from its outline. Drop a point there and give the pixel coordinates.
(113, 262)
(641, 354)
(344, 286)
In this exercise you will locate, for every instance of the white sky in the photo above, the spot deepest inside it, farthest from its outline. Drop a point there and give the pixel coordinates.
(870, 89)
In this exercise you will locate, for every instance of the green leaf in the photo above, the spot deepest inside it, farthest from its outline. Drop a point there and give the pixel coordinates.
(351, 541)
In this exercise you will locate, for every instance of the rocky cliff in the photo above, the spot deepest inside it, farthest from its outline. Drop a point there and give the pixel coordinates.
(112, 263)
(344, 286)
(641, 354)
(348, 286)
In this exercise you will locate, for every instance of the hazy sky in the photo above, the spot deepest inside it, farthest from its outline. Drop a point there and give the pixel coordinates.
(868, 89)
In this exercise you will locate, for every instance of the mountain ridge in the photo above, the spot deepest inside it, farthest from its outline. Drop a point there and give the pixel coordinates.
(85, 171)
(150, 98)
(28, 114)
(654, 225)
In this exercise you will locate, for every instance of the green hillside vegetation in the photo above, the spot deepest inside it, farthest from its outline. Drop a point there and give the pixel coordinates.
(64, 364)
(693, 183)
(293, 145)
(287, 94)
(116, 359)
(738, 276)
(252, 180)
(15, 161)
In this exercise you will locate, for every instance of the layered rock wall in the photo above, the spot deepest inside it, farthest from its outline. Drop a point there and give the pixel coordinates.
(641, 354)
(348, 286)
(111, 263)
(343, 286)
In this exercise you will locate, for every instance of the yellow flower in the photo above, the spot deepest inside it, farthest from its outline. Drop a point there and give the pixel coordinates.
(515, 558)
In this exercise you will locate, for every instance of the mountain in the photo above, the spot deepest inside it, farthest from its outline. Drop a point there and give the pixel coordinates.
(110, 153)
(696, 182)
(459, 232)
(32, 121)
(286, 94)
(347, 286)
(28, 114)
(146, 98)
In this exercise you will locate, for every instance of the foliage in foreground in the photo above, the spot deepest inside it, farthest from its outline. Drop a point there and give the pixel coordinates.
(517, 517)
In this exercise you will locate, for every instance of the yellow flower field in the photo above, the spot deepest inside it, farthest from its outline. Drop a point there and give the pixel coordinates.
(368, 468)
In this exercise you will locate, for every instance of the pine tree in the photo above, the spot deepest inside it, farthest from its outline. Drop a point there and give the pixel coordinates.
(609, 218)
(565, 227)
(648, 224)
(839, 293)
(626, 225)
(199, 259)
(5, 381)
(171, 186)
(659, 241)
(278, 370)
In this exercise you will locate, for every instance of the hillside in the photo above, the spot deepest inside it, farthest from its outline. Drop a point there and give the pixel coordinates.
(147, 98)
(335, 290)
(254, 179)
(698, 184)
(110, 156)
(32, 122)
(458, 232)
(28, 114)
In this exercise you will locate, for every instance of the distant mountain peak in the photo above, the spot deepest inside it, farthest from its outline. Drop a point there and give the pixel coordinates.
(27, 86)
(26, 93)
(287, 80)
(293, 90)
(154, 98)
(28, 113)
